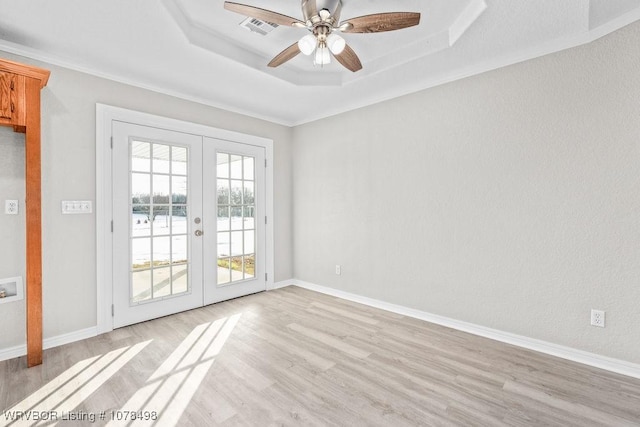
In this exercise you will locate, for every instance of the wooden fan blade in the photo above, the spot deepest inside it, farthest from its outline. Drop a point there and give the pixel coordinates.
(349, 59)
(380, 22)
(262, 14)
(287, 54)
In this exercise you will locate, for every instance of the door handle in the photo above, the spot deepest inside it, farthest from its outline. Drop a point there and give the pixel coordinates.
(199, 233)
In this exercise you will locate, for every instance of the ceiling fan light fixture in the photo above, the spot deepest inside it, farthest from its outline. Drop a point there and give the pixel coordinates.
(322, 56)
(336, 44)
(322, 19)
(307, 44)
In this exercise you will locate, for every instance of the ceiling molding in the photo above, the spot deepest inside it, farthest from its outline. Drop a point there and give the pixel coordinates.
(73, 65)
(465, 20)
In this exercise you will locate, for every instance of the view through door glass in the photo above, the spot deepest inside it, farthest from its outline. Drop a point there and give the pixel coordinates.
(236, 218)
(159, 254)
(234, 198)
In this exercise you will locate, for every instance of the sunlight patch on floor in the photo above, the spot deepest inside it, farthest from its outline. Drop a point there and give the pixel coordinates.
(169, 389)
(73, 386)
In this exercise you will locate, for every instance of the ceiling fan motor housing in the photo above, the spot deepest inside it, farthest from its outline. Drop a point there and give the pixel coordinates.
(311, 10)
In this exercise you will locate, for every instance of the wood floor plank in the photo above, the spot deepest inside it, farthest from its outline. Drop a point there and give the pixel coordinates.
(329, 340)
(296, 357)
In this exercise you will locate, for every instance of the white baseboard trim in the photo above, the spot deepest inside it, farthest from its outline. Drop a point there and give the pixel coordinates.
(575, 355)
(58, 340)
(282, 284)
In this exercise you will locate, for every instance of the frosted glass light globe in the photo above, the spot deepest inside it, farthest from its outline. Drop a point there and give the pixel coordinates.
(336, 43)
(322, 56)
(307, 44)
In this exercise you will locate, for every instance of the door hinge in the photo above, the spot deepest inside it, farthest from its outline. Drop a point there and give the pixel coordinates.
(12, 86)
(112, 143)
(112, 311)
(112, 226)
(266, 277)
(265, 163)
(265, 219)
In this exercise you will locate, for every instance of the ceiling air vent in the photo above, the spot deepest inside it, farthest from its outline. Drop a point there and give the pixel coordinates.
(257, 26)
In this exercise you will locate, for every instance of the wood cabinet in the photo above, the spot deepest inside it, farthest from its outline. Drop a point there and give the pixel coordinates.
(20, 87)
(12, 99)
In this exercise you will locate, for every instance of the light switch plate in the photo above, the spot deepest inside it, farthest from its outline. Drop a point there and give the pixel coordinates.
(11, 207)
(76, 207)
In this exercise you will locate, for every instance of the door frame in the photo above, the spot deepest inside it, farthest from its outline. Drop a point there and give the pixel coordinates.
(105, 115)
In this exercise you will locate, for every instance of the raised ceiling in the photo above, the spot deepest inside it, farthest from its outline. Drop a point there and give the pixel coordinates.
(197, 50)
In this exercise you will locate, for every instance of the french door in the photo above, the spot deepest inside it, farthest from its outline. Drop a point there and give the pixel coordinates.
(186, 228)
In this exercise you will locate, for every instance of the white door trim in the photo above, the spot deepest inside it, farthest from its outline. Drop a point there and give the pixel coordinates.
(105, 115)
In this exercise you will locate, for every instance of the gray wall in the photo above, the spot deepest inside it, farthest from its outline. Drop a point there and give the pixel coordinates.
(69, 246)
(510, 199)
(12, 236)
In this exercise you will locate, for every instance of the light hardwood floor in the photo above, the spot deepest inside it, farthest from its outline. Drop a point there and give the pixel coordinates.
(296, 357)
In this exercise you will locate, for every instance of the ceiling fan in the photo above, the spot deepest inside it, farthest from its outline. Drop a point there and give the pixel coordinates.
(322, 19)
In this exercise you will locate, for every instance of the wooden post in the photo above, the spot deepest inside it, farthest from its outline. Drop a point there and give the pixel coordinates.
(34, 223)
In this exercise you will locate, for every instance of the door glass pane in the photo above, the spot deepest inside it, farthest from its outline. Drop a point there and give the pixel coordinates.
(236, 243)
(140, 263)
(223, 192)
(179, 278)
(178, 161)
(178, 250)
(223, 165)
(179, 189)
(140, 188)
(223, 245)
(140, 253)
(236, 213)
(249, 266)
(161, 158)
(249, 242)
(248, 168)
(141, 285)
(159, 189)
(236, 217)
(140, 156)
(161, 251)
(236, 167)
(161, 282)
(236, 193)
(140, 225)
(224, 273)
(248, 216)
(236, 269)
(178, 220)
(223, 218)
(248, 193)
(161, 224)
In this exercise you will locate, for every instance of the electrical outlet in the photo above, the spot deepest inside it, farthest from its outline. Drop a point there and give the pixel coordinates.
(338, 269)
(597, 318)
(11, 207)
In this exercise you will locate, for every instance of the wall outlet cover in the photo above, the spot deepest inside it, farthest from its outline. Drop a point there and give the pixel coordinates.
(76, 207)
(11, 207)
(597, 318)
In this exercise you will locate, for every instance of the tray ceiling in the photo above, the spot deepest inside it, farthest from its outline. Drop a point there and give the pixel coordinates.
(195, 49)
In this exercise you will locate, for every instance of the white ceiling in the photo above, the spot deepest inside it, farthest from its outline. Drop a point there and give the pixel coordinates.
(196, 50)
